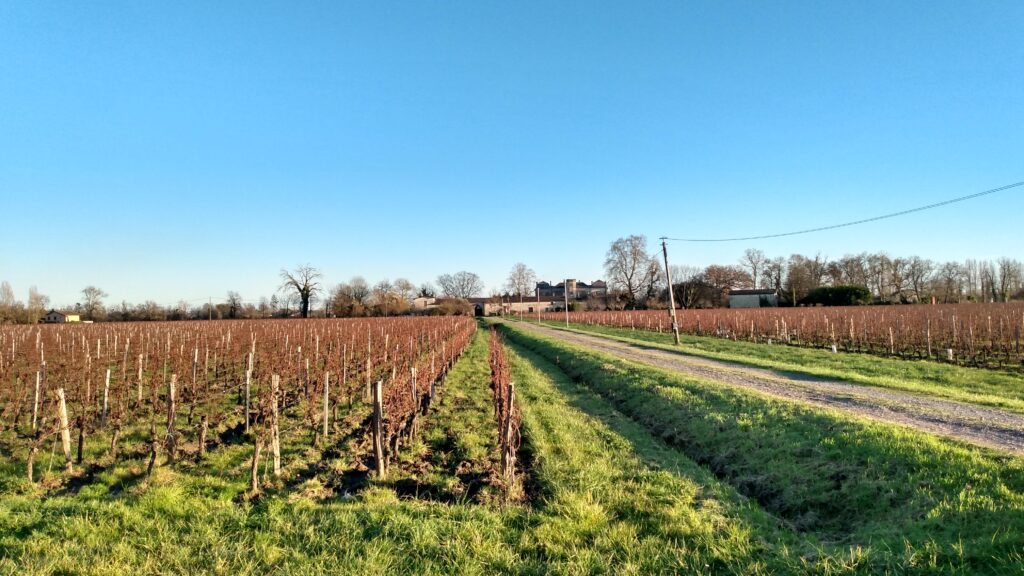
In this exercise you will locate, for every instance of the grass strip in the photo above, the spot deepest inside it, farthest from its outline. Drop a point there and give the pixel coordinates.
(455, 457)
(614, 499)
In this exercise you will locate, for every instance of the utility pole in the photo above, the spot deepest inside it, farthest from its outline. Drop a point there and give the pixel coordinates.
(565, 283)
(671, 295)
(210, 309)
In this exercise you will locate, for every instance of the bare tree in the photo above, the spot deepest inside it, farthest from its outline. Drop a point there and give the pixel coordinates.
(520, 280)
(36, 305)
(10, 308)
(803, 275)
(460, 285)
(850, 270)
(753, 261)
(234, 303)
(359, 289)
(775, 273)
(688, 285)
(629, 267)
(93, 301)
(989, 281)
(382, 293)
(405, 289)
(1011, 276)
(722, 279)
(919, 272)
(304, 281)
(950, 278)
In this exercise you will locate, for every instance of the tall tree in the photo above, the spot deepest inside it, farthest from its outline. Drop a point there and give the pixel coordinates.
(753, 261)
(36, 305)
(92, 301)
(234, 303)
(460, 285)
(521, 279)
(8, 304)
(405, 289)
(1011, 277)
(359, 289)
(950, 280)
(383, 293)
(304, 283)
(722, 279)
(919, 272)
(629, 267)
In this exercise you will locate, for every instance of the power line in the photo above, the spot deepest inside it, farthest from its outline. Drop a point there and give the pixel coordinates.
(855, 222)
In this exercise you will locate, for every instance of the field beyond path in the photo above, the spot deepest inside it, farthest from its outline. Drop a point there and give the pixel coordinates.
(978, 425)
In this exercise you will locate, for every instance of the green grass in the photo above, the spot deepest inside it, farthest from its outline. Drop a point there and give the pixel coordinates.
(883, 497)
(976, 385)
(613, 499)
(456, 456)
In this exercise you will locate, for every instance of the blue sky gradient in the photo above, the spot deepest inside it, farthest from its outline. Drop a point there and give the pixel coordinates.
(179, 151)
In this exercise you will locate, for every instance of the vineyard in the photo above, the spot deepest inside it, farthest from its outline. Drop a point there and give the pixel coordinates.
(506, 411)
(427, 445)
(968, 334)
(180, 380)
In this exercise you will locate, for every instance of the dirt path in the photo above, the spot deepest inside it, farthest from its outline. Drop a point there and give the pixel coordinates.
(980, 425)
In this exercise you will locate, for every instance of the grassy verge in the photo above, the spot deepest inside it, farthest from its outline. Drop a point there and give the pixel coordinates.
(977, 385)
(881, 497)
(613, 499)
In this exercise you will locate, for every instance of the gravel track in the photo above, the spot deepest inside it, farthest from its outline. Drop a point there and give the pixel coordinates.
(979, 425)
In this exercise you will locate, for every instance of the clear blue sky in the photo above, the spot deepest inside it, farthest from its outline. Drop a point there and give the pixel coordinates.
(181, 150)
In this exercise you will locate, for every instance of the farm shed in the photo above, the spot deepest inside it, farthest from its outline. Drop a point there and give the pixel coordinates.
(753, 299)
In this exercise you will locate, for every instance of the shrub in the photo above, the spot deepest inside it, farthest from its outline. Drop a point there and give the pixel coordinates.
(838, 296)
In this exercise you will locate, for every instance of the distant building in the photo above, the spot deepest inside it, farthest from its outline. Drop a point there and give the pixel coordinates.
(577, 290)
(424, 303)
(753, 298)
(497, 305)
(55, 317)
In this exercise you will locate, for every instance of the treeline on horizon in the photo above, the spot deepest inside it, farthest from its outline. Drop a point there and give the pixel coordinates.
(300, 295)
(636, 280)
(865, 278)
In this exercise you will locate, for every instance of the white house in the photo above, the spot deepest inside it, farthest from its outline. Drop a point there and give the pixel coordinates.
(55, 317)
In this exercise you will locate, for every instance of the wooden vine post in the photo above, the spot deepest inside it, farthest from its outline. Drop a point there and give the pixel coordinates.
(106, 400)
(327, 401)
(172, 412)
(35, 401)
(154, 443)
(248, 401)
(378, 417)
(275, 436)
(204, 428)
(65, 429)
(255, 476)
(415, 404)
